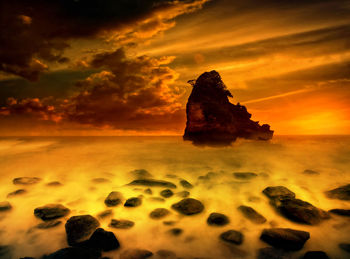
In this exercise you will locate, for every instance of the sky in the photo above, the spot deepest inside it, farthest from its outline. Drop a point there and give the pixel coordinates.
(70, 67)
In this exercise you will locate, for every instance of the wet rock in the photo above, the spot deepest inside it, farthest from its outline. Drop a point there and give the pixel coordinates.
(217, 219)
(157, 199)
(186, 184)
(135, 254)
(208, 176)
(113, 199)
(166, 254)
(74, 253)
(183, 194)
(5, 206)
(315, 255)
(101, 240)
(159, 213)
(278, 192)
(105, 214)
(188, 206)
(340, 193)
(153, 183)
(121, 223)
(175, 231)
(79, 228)
(232, 236)
(141, 173)
(252, 214)
(133, 202)
(5, 252)
(285, 238)
(345, 247)
(16, 193)
(310, 172)
(49, 224)
(148, 191)
(166, 193)
(271, 253)
(100, 180)
(54, 184)
(341, 212)
(244, 175)
(51, 211)
(26, 180)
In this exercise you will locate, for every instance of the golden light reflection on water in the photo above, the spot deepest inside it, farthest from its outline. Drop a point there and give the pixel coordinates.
(75, 162)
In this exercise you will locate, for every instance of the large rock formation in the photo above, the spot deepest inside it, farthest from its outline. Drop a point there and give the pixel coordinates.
(212, 119)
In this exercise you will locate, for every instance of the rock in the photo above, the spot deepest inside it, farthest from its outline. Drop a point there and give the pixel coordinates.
(188, 206)
(51, 211)
(159, 213)
(135, 254)
(17, 192)
(153, 183)
(166, 193)
(113, 199)
(183, 194)
(175, 231)
(100, 180)
(141, 173)
(315, 255)
(217, 219)
(252, 214)
(26, 180)
(270, 253)
(186, 184)
(54, 184)
(169, 222)
(279, 192)
(340, 193)
(212, 119)
(341, 212)
(121, 223)
(74, 253)
(148, 191)
(49, 224)
(5, 252)
(244, 175)
(208, 176)
(310, 172)
(345, 247)
(133, 202)
(285, 238)
(232, 236)
(5, 206)
(166, 254)
(105, 214)
(79, 228)
(102, 240)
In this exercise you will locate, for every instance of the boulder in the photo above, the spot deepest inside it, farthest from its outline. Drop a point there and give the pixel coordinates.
(285, 238)
(159, 213)
(279, 192)
(113, 199)
(153, 183)
(141, 173)
(121, 223)
(217, 219)
(26, 180)
(252, 214)
(16, 193)
(315, 255)
(74, 253)
(341, 212)
(340, 193)
(5, 206)
(79, 228)
(51, 211)
(175, 231)
(188, 206)
(49, 224)
(166, 193)
(5, 252)
(135, 254)
(212, 119)
(232, 236)
(101, 240)
(133, 202)
(183, 194)
(186, 184)
(244, 175)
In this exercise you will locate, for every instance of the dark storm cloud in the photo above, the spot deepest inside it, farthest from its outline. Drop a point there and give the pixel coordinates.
(35, 32)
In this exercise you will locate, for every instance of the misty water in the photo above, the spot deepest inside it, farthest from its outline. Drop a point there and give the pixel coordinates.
(76, 162)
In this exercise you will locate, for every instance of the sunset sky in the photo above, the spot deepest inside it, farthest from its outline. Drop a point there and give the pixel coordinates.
(120, 67)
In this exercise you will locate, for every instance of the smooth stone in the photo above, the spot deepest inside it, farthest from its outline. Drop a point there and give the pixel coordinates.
(5, 206)
(188, 206)
(270, 253)
(285, 238)
(105, 214)
(232, 236)
(135, 254)
(26, 180)
(345, 247)
(166, 193)
(186, 184)
(159, 213)
(183, 194)
(101, 240)
(54, 184)
(340, 193)
(315, 255)
(113, 199)
(121, 223)
(278, 192)
(341, 212)
(217, 219)
(79, 228)
(244, 175)
(153, 182)
(133, 202)
(141, 173)
(51, 211)
(252, 214)
(49, 224)
(175, 231)
(17, 192)
(148, 191)
(310, 172)
(74, 253)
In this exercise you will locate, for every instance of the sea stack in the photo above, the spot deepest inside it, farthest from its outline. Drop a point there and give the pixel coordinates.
(212, 119)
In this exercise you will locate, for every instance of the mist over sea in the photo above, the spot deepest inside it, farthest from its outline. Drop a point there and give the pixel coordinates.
(76, 162)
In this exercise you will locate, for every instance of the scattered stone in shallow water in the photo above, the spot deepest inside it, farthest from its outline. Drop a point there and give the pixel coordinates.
(188, 206)
(278, 192)
(54, 184)
(176, 231)
(166, 254)
(244, 175)
(345, 247)
(148, 191)
(100, 180)
(183, 194)
(271, 253)
(252, 214)
(113, 199)
(166, 193)
(133, 202)
(186, 184)
(49, 224)
(51, 211)
(26, 180)
(157, 199)
(153, 182)
(232, 236)
(5, 206)
(121, 223)
(74, 253)
(341, 212)
(17, 192)
(135, 254)
(102, 240)
(141, 173)
(159, 213)
(310, 172)
(315, 255)
(105, 214)
(217, 219)
(285, 238)
(340, 193)
(79, 228)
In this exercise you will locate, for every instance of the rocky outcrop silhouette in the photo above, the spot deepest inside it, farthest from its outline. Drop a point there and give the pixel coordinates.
(212, 119)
